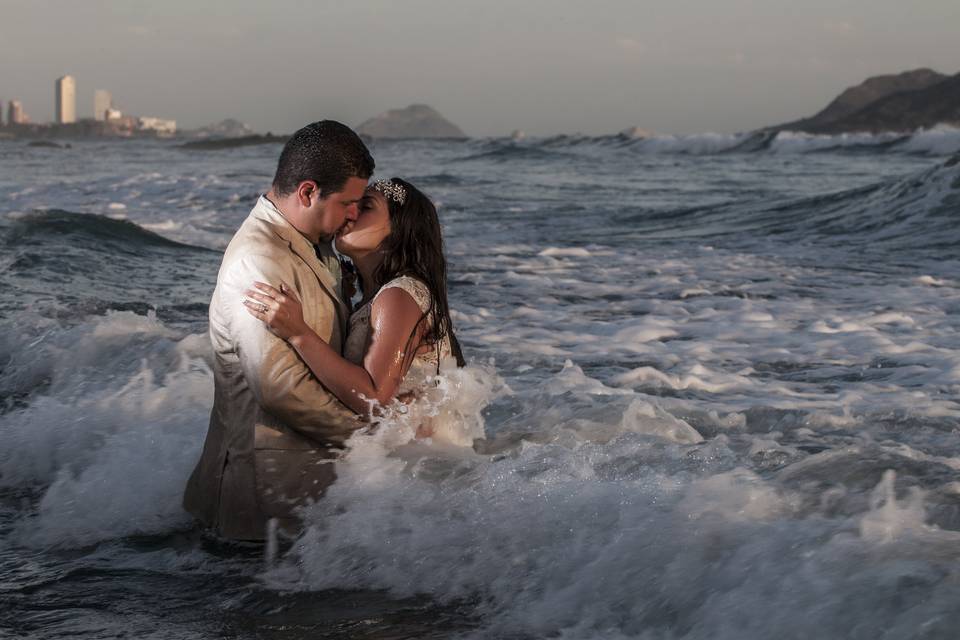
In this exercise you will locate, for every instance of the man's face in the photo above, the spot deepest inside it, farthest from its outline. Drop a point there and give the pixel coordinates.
(337, 209)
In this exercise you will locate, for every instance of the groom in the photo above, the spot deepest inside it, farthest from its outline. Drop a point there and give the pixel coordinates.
(274, 429)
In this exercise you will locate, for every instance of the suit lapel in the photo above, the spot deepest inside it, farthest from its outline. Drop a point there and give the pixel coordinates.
(303, 249)
(305, 252)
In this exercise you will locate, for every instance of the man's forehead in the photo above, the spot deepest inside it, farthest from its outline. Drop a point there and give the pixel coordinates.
(353, 189)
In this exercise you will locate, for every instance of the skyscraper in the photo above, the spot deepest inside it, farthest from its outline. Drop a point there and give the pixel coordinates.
(102, 100)
(15, 113)
(66, 105)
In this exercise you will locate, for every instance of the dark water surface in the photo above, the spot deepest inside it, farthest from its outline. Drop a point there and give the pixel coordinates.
(720, 395)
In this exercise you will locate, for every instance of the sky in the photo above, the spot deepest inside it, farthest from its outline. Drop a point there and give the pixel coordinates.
(490, 66)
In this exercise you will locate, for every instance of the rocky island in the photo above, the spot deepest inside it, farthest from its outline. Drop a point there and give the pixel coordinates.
(415, 121)
(902, 102)
(217, 144)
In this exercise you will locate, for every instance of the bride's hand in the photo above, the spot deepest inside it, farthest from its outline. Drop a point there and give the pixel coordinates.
(279, 309)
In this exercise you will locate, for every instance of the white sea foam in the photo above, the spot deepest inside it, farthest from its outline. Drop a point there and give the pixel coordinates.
(115, 433)
(577, 252)
(549, 542)
(796, 142)
(702, 143)
(940, 140)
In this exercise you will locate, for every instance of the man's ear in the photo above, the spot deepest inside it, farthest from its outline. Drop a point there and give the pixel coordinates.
(306, 190)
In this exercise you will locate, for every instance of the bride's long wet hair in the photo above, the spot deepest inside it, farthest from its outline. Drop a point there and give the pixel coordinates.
(415, 248)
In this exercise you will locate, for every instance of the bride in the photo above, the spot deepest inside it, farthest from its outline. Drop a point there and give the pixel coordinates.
(401, 332)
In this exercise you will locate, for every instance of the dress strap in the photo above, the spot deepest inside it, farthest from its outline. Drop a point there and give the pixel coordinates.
(417, 290)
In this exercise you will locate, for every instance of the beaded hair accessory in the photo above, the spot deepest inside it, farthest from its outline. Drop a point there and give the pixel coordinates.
(392, 191)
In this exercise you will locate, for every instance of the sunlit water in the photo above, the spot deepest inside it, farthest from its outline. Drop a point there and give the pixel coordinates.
(720, 393)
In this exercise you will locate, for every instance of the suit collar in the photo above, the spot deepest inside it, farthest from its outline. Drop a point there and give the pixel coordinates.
(268, 212)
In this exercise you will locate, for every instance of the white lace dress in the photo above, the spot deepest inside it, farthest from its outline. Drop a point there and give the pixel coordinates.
(424, 364)
(447, 407)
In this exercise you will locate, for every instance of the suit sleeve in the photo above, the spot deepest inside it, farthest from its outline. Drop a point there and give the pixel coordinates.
(281, 381)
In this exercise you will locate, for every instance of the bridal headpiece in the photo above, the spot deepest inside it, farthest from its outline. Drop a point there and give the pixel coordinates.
(391, 191)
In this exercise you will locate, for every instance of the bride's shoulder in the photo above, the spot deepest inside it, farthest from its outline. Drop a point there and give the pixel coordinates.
(417, 289)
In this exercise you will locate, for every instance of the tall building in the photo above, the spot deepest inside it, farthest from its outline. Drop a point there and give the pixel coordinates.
(15, 114)
(102, 101)
(66, 106)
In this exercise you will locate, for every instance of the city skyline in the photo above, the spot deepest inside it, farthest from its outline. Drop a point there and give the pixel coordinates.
(112, 122)
(65, 104)
(542, 67)
(65, 97)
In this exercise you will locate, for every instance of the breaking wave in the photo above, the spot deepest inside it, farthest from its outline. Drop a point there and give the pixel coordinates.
(938, 141)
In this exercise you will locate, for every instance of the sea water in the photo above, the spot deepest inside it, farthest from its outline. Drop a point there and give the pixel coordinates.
(713, 392)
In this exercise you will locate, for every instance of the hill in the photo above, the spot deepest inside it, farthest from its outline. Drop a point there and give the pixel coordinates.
(907, 101)
(415, 121)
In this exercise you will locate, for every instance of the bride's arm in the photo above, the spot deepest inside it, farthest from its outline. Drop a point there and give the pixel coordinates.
(393, 319)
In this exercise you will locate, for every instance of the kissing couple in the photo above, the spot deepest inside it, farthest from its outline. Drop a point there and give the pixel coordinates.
(296, 369)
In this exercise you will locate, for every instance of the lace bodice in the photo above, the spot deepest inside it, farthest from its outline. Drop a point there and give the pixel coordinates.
(358, 334)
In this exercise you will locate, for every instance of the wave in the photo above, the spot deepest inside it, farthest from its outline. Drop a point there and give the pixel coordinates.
(920, 210)
(938, 141)
(917, 211)
(71, 265)
(86, 229)
(511, 150)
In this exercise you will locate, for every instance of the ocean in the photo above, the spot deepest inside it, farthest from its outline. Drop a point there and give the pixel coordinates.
(715, 386)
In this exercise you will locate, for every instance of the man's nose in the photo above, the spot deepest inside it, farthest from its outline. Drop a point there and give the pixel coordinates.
(352, 212)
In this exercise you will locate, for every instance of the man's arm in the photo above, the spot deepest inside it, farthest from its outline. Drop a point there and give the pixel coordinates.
(396, 334)
(277, 376)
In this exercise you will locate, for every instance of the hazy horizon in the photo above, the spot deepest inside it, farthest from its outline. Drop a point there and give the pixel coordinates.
(539, 66)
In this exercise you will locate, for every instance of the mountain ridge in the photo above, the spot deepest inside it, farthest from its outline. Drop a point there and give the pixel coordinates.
(907, 101)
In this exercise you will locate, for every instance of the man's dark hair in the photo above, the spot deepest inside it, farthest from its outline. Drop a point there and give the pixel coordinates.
(327, 152)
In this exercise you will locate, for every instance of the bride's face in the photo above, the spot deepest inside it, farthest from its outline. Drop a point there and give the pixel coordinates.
(370, 229)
